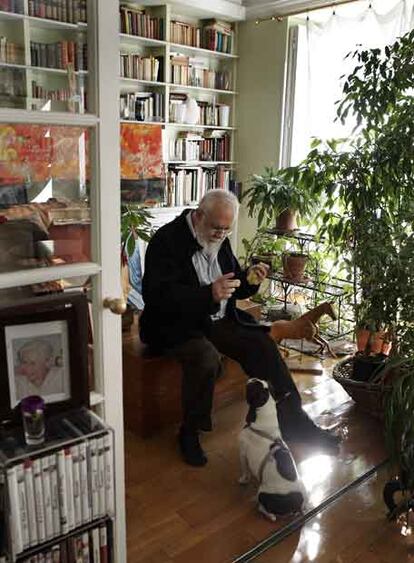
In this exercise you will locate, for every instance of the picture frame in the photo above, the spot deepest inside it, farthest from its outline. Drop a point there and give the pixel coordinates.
(44, 351)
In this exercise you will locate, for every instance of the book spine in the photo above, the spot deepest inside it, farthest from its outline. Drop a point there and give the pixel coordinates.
(101, 476)
(76, 486)
(85, 548)
(14, 520)
(21, 489)
(84, 483)
(31, 506)
(69, 488)
(38, 490)
(96, 556)
(54, 487)
(103, 543)
(47, 497)
(93, 464)
(63, 501)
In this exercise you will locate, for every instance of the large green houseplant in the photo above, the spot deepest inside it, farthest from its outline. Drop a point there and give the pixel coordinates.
(277, 198)
(368, 216)
(366, 182)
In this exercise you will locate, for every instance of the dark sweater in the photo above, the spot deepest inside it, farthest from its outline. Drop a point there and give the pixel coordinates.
(177, 308)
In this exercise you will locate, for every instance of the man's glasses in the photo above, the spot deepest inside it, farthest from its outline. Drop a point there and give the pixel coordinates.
(221, 230)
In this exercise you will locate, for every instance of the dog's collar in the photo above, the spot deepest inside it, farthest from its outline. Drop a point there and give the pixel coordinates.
(261, 433)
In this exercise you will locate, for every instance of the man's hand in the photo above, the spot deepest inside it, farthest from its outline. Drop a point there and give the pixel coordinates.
(257, 273)
(224, 287)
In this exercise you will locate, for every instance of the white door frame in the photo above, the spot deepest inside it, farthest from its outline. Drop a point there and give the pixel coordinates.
(103, 40)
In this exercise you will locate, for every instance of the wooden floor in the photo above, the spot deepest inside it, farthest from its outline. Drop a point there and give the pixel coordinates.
(353, 530)
(179, 514)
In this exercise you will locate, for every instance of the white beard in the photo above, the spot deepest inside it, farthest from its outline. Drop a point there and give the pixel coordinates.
(209, 248)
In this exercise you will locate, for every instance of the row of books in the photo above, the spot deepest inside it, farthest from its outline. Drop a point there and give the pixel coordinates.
(12, 82)
(70, 11)
(59, 54)
(11, 52)
(142, 106)
(215, 40)
(15, 6)
(59, 94)
(193, 72)
(42, 93)
(92, 546)
(186, 186)
(189, 146)
(211, 34)
(135, 21)
(141, 68)
(185, 33)
(54, 494)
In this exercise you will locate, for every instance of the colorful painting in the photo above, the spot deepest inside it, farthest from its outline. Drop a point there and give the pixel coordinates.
(141, 152)
(142, 168)
(37, 153)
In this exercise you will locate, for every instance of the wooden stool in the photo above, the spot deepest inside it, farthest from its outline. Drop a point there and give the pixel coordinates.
(152, 387)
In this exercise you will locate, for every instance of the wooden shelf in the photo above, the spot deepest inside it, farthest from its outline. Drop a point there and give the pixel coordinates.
(202, 51)
(143, 122)
(46, 23)
(200, 162)
(139, 81)
(128, 38)
(202, 89)
(11, 16)
(190, 126)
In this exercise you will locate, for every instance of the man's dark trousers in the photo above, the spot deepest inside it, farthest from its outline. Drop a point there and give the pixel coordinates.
(257, 354)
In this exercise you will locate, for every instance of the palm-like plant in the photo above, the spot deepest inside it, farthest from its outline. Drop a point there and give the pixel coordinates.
(274, 192)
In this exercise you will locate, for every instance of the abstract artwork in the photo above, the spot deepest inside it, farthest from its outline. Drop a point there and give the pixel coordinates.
(142, 167)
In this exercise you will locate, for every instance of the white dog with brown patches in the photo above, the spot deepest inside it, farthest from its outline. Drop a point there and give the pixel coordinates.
(265, 456)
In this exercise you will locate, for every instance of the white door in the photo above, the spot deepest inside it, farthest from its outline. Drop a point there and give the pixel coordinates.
(55, 148)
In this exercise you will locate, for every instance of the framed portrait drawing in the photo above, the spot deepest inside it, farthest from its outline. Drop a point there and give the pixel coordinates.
(44, 351)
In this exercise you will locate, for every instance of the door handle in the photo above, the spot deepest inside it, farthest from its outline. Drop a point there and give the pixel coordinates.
(116, 305)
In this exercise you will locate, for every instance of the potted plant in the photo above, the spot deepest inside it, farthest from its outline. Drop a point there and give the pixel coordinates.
(399, 433)
(277, 199)
(135, 224)
(366, 182)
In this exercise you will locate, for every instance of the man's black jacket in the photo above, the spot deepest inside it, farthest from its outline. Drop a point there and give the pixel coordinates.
(177, 308)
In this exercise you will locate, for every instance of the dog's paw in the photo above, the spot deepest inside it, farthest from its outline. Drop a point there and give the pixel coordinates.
(268, 515)
(244, 479)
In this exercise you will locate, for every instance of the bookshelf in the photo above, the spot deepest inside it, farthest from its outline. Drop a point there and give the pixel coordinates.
(197, 59)
(43, 55)
(57, 499)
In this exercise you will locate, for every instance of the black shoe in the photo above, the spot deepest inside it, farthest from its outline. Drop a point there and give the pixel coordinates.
(311, 434)
(190, 448)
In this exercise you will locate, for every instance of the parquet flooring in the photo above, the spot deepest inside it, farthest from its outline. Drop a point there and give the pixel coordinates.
(179, 514)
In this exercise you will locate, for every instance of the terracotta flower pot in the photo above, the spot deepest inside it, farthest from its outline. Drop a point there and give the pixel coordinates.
(379, 342)
(294, 264)
(286, 221)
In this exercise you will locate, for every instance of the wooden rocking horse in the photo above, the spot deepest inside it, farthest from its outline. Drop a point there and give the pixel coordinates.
(305, 326)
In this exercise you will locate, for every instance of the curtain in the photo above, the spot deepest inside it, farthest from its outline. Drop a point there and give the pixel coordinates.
(324, 39)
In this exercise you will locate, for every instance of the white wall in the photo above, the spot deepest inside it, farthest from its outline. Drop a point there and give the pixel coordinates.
(260, 77)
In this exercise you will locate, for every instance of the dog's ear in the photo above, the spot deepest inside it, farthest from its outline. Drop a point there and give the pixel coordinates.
(257, 394)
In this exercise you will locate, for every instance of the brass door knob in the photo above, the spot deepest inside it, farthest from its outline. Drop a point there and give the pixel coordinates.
(116, 305)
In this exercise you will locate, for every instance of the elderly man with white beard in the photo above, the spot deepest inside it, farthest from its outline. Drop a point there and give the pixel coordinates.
(190, 286)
